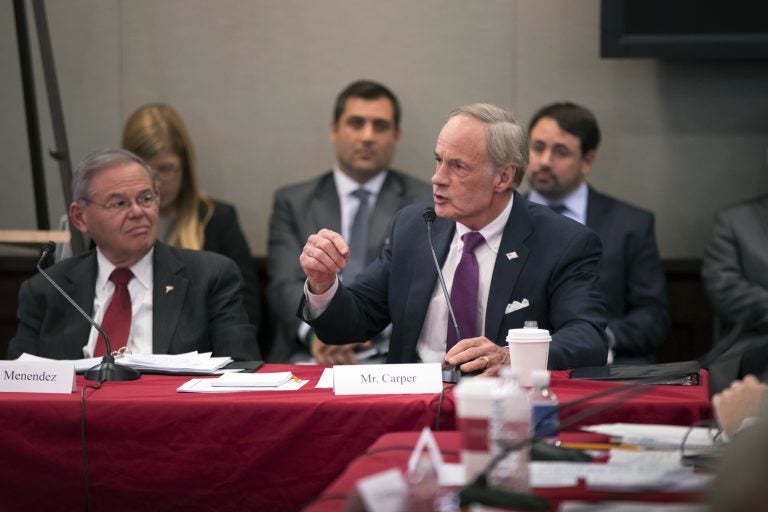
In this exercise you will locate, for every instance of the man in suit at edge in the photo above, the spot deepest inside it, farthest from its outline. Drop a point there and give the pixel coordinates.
(735, 276)
(532, 264)
(563, 144)
(180, 300)
(365, 132)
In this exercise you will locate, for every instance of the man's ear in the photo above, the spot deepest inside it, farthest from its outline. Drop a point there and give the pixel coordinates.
(506, 178)
(77, 216)
(587, 161)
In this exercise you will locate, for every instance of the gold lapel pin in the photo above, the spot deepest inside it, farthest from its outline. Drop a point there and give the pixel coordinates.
(168, 288)
(512, 255)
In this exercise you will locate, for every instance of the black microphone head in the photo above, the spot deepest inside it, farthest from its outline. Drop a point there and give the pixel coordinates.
(49, 247)
(429, 215)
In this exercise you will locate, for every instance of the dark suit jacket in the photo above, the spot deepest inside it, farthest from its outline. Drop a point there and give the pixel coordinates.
(203, 312)
(555, 270)
(631, 277)
(303, 209)
(735, 275)
(224, 236)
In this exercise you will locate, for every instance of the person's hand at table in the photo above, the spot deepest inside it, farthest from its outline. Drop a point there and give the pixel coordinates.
(478, 355)
(324, 255)
(336, 354)
(742, 399)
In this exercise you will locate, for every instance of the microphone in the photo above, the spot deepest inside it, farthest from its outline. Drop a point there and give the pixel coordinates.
(451, 373)
(107, 370)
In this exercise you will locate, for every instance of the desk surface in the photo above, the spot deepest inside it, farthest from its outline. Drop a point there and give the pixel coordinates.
(152, 448)
(393, 450)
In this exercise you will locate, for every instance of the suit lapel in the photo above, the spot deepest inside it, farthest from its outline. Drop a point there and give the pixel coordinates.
(762, 214)
(387, 203)
(598, 218)
(168, 292)
(81, 286)
(507, 269)
(324, 210)
(423, 281)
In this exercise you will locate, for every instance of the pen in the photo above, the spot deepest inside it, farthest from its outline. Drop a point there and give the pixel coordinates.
(598, 446)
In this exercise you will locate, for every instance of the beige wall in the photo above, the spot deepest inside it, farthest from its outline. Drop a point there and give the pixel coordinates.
(255, 81)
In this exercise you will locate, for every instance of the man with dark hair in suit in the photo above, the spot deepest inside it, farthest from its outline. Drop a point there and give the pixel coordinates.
(508, 260)
(365, 132)
(563, 144)
(150, 298)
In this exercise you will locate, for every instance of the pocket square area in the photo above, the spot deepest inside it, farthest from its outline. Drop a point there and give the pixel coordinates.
(515, 305)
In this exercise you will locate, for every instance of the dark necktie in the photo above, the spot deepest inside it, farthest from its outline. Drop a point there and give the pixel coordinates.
(558, 208)
(464, 291)
(358, 237)
(117, 319)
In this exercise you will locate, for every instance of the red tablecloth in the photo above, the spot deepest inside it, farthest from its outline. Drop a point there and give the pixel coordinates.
(393, 450)
(152, 448)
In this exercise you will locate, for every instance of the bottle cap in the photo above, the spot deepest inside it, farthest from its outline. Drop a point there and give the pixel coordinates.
(540, 378)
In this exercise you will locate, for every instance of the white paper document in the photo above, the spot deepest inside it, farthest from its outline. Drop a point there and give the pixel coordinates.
(630, 506)
(658, 437)
(618, 477)
(326, 379)
(206, 386)
(189, 363)
(246, 380)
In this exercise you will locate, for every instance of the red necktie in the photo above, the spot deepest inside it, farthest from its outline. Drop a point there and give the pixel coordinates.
(117, 319)
(464, 291)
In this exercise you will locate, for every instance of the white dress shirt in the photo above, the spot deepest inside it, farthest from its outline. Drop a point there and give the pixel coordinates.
(140, 289)
(575, 203)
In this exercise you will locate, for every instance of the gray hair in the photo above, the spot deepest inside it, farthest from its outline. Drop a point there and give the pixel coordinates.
(505, 140)
(98, 160)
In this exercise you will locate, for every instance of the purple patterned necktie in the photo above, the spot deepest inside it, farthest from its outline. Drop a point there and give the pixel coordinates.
(464, 291)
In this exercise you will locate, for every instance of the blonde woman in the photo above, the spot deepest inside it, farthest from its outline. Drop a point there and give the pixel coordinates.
(188, 218)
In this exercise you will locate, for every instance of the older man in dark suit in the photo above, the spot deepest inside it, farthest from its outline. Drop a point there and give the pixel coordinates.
(149, 297)
(512, 260)
(563, 145)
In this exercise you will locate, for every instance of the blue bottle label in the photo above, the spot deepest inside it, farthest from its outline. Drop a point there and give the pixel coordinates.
(549, 426)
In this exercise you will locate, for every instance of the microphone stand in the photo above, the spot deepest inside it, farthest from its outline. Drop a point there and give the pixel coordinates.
(451, 373)
(107, 370)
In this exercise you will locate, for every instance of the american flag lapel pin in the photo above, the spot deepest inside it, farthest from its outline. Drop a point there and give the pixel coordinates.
(512, 255)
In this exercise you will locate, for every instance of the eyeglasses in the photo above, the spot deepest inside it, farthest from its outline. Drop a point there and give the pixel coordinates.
(145, 200)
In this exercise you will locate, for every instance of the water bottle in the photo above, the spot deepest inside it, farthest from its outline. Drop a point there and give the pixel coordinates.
(509, 428)
(544, 407)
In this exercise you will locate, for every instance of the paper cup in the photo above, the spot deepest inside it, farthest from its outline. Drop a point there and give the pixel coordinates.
(528, 351)
(473, 411)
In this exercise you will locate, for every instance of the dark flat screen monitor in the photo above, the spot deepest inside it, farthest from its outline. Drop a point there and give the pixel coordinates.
(684, 29)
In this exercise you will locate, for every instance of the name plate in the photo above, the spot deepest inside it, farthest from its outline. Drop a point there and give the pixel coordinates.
(42, 377)
(387, 379)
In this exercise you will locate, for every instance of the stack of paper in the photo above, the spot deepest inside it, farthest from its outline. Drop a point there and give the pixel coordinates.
(185, 364)
(228, 383)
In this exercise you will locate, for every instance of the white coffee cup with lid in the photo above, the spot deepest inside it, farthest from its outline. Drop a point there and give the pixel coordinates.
(528, 351)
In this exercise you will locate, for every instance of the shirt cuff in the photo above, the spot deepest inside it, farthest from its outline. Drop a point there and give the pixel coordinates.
(317, 304)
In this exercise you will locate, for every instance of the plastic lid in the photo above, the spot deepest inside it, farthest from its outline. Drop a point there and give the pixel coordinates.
(540, 378)
(528, 334)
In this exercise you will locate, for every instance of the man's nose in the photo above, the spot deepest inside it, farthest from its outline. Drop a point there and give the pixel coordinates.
(367, 132)
(440, 176)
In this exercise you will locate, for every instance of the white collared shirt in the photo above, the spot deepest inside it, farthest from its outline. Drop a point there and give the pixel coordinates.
(140, 289)
(349, 203)
(431, 344)
(575, 202)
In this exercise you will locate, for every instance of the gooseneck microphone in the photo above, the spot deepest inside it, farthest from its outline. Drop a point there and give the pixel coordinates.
(451, 373)
(107, 370)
